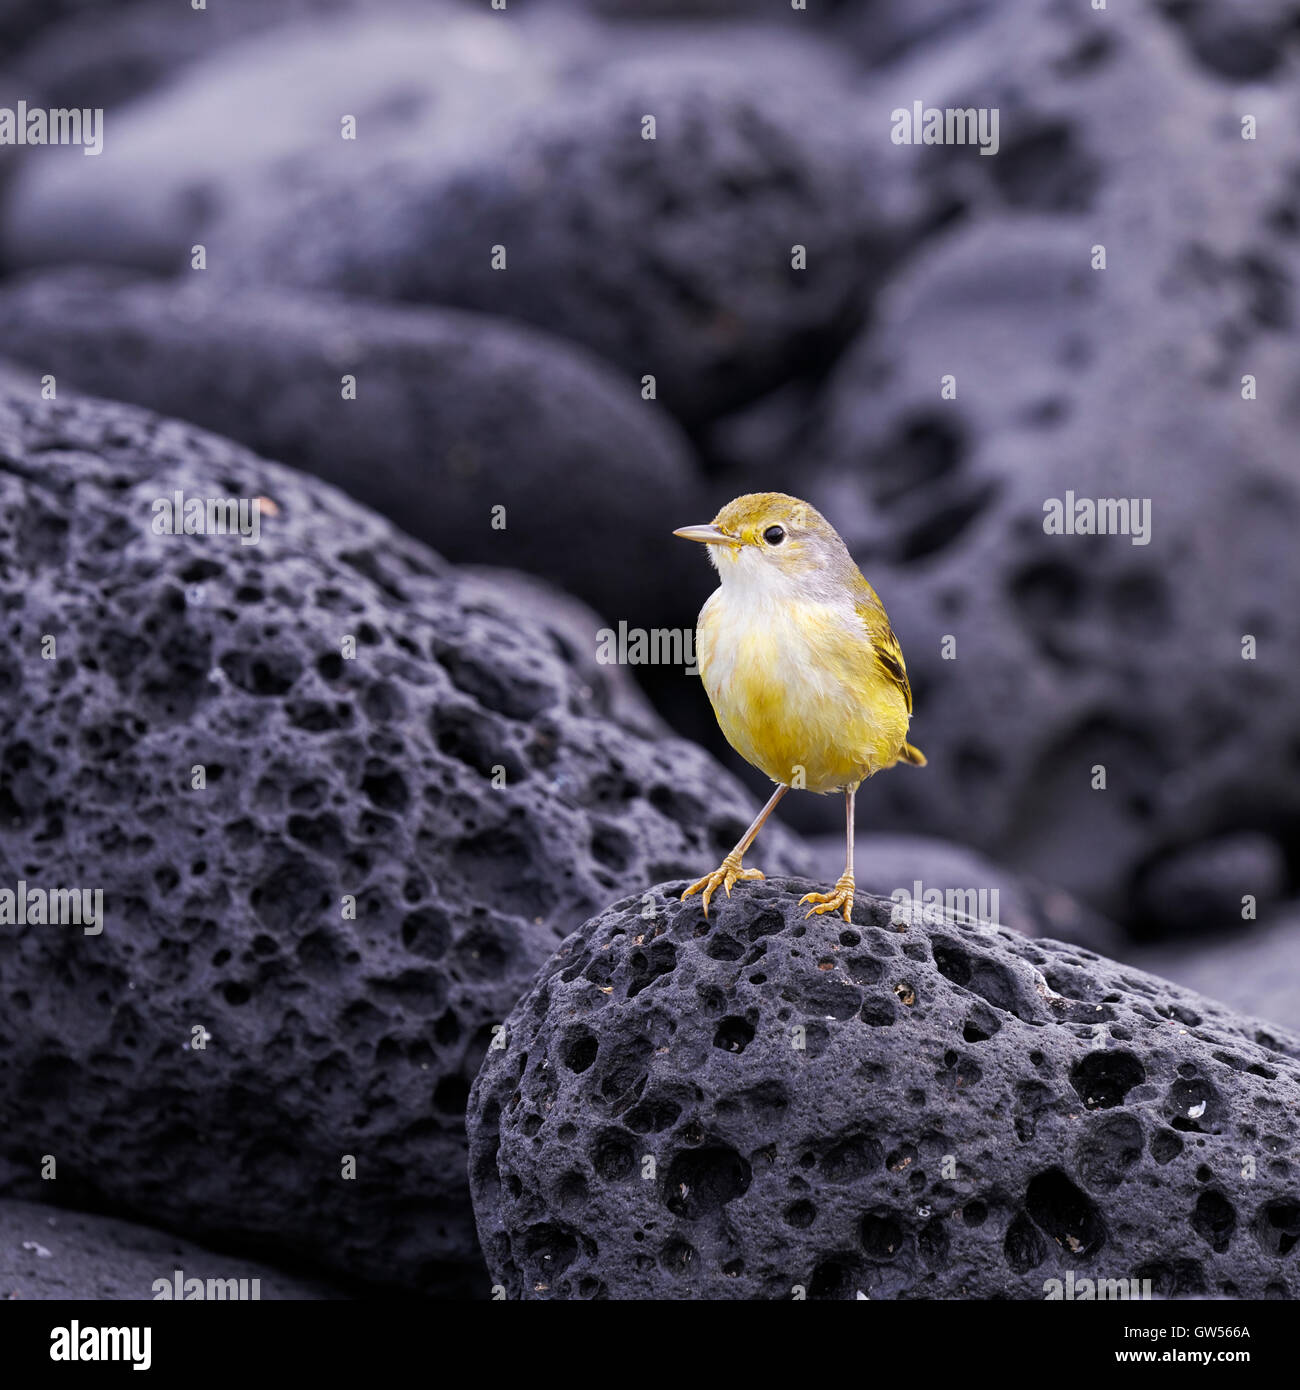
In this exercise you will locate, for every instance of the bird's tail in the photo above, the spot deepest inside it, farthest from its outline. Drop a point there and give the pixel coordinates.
(909, 754)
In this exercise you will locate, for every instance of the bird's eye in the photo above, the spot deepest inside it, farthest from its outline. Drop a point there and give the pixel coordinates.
(774, 535)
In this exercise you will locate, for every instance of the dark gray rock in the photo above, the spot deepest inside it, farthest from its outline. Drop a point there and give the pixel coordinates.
(461, 778)
(16, 379)
(1237, 40)
(1217, 875)
(569, 624)
(671, 257)
(1076, 125)
(758, 1104)
(455, 414)
(49, 1253)
(23, 20)
(887, 31)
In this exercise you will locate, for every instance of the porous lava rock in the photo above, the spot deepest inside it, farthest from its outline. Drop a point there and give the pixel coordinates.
(489, 440)
(341, 806)
(762, 1106)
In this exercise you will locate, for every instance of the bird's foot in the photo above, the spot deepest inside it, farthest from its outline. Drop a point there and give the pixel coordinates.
(727, 873)
(839, 900)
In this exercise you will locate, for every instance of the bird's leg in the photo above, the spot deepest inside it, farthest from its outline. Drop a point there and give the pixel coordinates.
(841, 899)
(729, 870)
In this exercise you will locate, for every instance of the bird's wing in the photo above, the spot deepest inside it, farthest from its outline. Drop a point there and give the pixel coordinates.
(884, 645)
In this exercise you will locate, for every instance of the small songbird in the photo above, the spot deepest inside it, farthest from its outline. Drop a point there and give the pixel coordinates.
(804, 673)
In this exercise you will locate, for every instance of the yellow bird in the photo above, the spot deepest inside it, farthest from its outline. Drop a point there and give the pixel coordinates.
(804, 673)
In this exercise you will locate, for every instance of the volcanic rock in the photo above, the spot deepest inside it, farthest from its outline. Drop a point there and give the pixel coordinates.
(971, 885)
(1252, 968)
(340, 804)
(759, 1105)
(487, 439)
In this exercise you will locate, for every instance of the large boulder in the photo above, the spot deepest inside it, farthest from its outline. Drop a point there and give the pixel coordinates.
(763, 1106)
(672, 256)
(341, 803)
(49, 1253)
(454, 417)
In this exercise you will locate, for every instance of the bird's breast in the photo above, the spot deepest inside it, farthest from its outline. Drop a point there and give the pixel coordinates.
(797, 691)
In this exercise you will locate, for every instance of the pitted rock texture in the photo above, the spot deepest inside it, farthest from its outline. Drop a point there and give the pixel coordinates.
(461, 778)
(453, 416)
(758, 1104)
(671, 257)
(49, 1253)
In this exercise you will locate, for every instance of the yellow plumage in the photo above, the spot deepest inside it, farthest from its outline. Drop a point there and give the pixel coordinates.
(806, 698)
(800, 663)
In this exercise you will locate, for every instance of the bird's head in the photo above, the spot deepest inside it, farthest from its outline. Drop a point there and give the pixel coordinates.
(769, 542)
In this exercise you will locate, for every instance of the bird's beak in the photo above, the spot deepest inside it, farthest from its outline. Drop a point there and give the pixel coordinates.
(709, 535)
